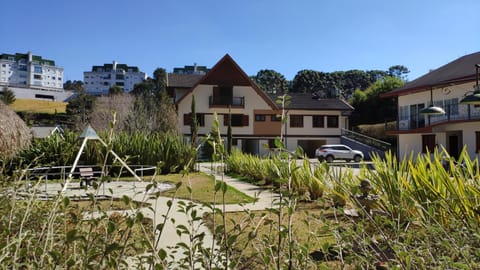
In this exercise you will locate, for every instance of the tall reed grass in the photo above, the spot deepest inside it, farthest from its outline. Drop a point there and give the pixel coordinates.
(170, 152)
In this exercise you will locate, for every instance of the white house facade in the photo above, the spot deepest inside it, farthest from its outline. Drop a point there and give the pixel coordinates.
(101, 78)
(457, 128)
(226, 90)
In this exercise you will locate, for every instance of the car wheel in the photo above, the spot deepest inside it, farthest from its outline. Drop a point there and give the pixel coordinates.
(329, 159)
(357, 158)
(321, 159)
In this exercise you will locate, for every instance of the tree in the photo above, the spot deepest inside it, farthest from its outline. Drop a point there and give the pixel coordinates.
(154, 110)
(194, 123)
(306, 81)
(271, 82)
(370, 108)
(106, 106)
(79, 109)
(75, 85)
(7, 97)
(115, 90)
(229, 131)
(144, 88)
(398, 71)
(153, 113)
(160, 80)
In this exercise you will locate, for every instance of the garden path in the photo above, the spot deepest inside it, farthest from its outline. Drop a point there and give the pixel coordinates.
(264, 196)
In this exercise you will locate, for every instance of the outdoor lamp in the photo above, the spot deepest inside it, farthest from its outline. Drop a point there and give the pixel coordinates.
(474, 97)
(432, 109)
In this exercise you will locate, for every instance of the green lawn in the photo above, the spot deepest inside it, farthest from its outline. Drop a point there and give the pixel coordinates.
(203, 189)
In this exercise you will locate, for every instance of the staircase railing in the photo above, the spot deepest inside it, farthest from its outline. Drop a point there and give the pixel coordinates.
(366, 139)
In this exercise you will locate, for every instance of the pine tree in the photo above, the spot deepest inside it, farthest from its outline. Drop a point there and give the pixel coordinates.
(8, 97)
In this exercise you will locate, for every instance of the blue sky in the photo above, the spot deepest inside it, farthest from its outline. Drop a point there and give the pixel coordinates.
(286, 36)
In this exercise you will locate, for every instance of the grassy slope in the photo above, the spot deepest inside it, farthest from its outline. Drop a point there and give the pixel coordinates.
(38, 106)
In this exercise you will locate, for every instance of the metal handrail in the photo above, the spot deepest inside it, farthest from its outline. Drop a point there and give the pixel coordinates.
(366, 139)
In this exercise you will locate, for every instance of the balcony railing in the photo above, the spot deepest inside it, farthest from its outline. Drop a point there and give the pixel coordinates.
(457, 112)
(219, 101)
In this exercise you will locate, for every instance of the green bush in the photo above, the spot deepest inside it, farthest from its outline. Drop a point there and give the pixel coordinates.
(169, 151)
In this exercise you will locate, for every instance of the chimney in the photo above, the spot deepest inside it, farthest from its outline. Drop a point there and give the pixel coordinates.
(30, 57)
(114, 65)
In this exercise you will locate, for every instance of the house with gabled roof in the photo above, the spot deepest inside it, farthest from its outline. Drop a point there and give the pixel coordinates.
(311, 122)
(432, 111)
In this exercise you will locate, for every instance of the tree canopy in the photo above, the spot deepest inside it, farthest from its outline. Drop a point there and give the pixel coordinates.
(115, 90)
(7, 96)
(79, 109)
(370, 108)
(73, 85)
(271, 82)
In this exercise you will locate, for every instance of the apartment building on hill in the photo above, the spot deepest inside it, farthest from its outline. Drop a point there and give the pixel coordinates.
(31, 76)
(101, 78)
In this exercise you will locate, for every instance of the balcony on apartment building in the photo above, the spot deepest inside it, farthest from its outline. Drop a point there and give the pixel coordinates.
(412, 120)
(226, 101)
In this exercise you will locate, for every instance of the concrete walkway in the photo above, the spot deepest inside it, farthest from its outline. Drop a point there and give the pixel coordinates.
(169, 237)
(264, 197)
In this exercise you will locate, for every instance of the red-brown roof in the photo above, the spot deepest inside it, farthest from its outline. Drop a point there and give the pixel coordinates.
(228, 73)
(182, 80)
(458, 71)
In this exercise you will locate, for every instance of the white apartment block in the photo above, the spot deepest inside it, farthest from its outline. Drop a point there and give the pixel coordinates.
(30, 71)
(101, 78)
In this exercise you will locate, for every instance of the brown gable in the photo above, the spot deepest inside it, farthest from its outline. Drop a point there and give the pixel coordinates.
(227, 73)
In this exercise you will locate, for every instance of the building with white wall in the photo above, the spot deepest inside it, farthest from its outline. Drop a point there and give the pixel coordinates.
(101, 78)
(227, 90)
(446, 87)
(31, 76)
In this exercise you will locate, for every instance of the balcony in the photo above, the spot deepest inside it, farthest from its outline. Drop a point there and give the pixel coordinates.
(226, 101)
(454, 113)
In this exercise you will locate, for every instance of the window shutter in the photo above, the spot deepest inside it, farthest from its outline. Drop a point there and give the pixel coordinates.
(216, 91)
(225, 120)
(187, 119)
(245, 120)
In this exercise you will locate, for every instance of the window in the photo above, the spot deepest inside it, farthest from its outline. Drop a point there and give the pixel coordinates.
(45, 96)
(260, 117)
(23, 68)
(238, 120)
(119, 83)
(416, 120)
(37, 69)
(477, 140)
(187, 119)
(271, 143)
(332, 121)
(318, 121)
(276, 118)
(105, 83)
(296, 120)
(120, 77)
(37, 77)
(222, 95)
(451, 106)
(428, 143)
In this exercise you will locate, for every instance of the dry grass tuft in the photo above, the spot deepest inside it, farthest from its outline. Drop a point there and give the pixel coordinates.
(14, 133)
